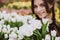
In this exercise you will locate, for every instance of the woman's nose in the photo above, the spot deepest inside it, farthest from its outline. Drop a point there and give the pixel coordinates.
(39, 9)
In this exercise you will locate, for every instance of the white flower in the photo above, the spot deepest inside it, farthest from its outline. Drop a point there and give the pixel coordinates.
(14, 14)
(11, 29)
(47, 37)
(57, 38)
(53, 33)
(13, 19)
(8, 31)
(35, 24)
(44, 21)
(11, 39)
(2, 22)
(8, 26)
(19, 18)
(4, 30)
(13, 35)
(19, 39)
(0, 28)
(15, 29)
(4, 26)
(29, 17)
(4, 11)
(26, 30)
(6, 35)
(7, 17)
(20, 36)
(1, 15)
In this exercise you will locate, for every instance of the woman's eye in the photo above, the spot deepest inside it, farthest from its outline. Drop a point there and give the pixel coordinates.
(35, 6)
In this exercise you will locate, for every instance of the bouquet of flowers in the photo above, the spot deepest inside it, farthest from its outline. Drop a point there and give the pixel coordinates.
(15, 27)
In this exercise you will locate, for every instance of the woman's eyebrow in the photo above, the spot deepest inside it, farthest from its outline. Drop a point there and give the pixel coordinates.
(42, 4)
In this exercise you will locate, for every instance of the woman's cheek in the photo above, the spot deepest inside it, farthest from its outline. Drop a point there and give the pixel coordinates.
(35, 10)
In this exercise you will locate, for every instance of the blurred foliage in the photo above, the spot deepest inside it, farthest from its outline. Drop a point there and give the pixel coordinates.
(57, 14)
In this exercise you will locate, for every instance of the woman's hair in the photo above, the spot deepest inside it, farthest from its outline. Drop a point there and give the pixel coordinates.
(53, 25)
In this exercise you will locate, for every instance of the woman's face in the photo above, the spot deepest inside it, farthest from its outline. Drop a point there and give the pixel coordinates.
(39, 8)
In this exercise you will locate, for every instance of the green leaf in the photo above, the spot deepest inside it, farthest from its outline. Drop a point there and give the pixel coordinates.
(44, 30)
(6, 22)
(37, 33)
(18, 24)
(1, 36)
(27, 38)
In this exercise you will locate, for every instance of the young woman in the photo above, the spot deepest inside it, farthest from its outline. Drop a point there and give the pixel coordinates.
(42, 9)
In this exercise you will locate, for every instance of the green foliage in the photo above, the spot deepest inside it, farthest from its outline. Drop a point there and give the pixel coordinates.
(15, 7)
(13, 24)
(1, 5)
(44, 30)
(2, 36)
(38, 35)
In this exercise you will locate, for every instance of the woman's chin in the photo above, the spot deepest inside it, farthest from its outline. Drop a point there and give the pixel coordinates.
(41, 17)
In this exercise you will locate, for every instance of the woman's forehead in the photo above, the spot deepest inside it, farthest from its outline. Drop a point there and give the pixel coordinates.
(38, 1)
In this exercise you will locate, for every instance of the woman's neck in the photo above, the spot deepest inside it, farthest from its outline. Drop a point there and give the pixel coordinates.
(49, 18)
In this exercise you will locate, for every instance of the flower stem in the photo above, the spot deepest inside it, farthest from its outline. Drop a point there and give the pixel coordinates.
(53, 38)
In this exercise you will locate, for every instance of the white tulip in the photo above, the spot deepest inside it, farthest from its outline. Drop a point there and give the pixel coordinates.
(24, 20)
(11, 39)
(19, 18)
(11, 29)
(26, 30)
(29, 17)
(35, 23)
(53, 33)
(15, 29)
(16, 39)
(19, 39)
(20, 36)
(47, 37)
(1, 15)
(6, 35)
(8, 31)
(4, 11)
(57, 38)
(4, 30)
(2, 22)
(0, 28)
(7, 17)
(44, 21)
(13, 35)
(13, 19)
(8, 26)
(14, 14)
(4, 26)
